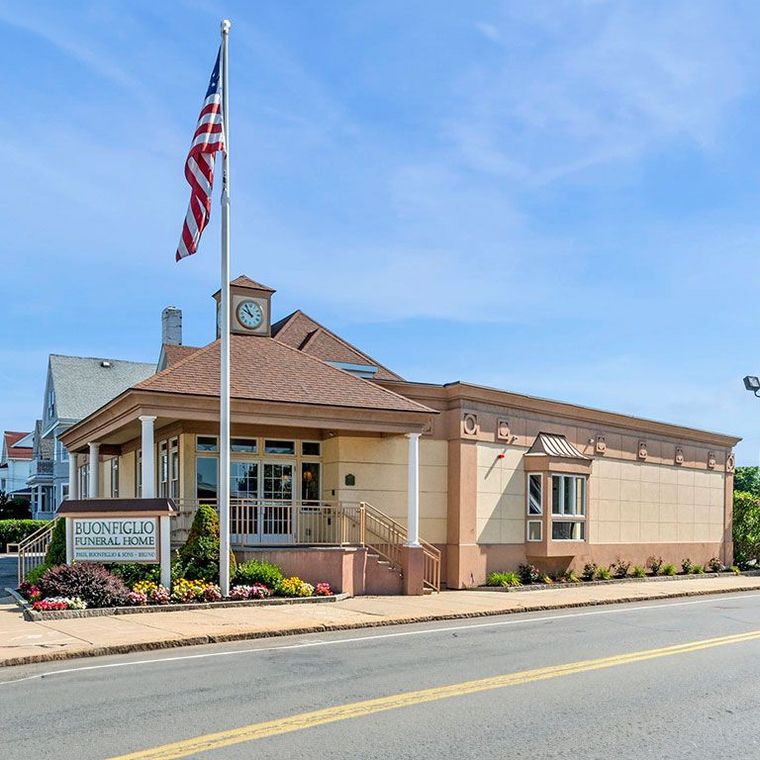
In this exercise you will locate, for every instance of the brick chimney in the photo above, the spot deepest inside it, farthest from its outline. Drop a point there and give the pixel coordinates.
(171, 326)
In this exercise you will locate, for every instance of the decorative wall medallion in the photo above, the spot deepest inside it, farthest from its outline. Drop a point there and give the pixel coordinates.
(679, 455)
(730, 463)
(470, 423)
(503, 432)
(642, 450)
(601, 444)
(350, 479)
(711, 460)
(428, 429)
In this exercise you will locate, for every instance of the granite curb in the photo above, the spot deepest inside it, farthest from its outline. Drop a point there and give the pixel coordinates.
(117, 649)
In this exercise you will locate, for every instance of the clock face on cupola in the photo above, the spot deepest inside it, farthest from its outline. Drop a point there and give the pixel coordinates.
(250, 303)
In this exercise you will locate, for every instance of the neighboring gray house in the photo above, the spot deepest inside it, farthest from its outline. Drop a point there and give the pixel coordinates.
(76, 386)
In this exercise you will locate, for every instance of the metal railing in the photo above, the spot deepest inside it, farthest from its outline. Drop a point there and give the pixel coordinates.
(268, 522)
(32, 549)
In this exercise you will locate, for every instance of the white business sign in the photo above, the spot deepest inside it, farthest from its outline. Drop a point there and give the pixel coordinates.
(115, 539)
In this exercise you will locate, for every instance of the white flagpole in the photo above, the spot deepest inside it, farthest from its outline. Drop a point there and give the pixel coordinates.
(224, 394)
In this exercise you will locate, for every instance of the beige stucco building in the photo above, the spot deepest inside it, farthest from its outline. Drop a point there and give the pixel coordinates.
(335, 458)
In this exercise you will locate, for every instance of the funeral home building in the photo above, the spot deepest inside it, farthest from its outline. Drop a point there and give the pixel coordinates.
(342, 469)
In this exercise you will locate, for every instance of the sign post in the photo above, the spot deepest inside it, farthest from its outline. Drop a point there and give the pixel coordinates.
(120, 531)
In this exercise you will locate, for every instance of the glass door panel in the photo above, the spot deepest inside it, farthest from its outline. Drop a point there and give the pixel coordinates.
(277, 487)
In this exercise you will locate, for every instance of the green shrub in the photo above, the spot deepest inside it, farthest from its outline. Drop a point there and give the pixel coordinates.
(746, 522)
(258, 571)
(603, 574)
(34, 575)
(697, 570)
(135, 572)
(589, 571)
(505, 580)
(13, 531)
(570, 576)
(529, 573)
(735, 570)
(620, 568)
(56, 553)
(669, 569)
(715, 565)
(654, 564)
(199, 557)
(638, 571)
(686, 566)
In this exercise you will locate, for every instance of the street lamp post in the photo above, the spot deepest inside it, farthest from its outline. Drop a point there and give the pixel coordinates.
(752, 383)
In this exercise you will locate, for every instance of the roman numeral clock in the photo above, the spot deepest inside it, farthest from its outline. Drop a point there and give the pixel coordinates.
(249, 307)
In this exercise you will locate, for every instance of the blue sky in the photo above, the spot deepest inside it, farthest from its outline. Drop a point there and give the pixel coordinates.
(555, 198)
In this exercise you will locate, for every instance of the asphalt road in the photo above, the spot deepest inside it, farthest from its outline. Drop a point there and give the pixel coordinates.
(696, 701)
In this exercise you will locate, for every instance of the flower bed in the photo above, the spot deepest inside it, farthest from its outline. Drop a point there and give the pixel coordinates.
(529, 577)
(84, 589)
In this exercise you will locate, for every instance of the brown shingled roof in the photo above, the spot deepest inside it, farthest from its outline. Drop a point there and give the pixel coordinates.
(302, 332)
(16, 452)
(173, 354)
(265, 369)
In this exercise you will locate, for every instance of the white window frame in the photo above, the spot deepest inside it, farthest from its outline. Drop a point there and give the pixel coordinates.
(540, 524)
(572, 517)
(540, 512)
(115, 477)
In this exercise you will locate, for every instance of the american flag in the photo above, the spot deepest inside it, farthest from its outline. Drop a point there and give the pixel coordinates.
(199, 167)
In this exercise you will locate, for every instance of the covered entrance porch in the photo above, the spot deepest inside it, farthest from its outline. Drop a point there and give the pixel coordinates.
(290, 482)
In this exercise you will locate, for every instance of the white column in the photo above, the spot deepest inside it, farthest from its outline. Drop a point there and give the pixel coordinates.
(166, 551)
(73, 477)
(148, 458)
(93, 485)
(413, 491)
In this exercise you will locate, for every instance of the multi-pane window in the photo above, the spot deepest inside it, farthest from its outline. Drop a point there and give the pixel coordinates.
(115, 478)
(568, 508)
(244, 480)
(168, 468)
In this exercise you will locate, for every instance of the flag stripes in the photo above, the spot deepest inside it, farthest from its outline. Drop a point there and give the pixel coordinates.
(208, 140)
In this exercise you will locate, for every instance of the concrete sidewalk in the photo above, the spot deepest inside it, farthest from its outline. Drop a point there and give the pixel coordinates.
(23, 642)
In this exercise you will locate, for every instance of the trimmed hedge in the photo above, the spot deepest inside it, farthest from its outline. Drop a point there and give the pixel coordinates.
(13, 531)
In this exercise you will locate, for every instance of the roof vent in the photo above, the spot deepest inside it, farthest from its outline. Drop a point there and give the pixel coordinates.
(105, 363)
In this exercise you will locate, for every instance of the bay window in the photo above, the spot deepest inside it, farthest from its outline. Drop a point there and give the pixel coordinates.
(568, 502)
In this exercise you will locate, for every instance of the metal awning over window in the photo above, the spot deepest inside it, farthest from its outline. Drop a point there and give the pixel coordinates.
(553, 445)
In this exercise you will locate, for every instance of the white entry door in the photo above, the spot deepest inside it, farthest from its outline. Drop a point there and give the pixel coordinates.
(276, 520)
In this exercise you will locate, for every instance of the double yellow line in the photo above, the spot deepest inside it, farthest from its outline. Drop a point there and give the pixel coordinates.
(407, 699)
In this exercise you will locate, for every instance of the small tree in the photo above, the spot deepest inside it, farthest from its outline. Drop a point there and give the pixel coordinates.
(199, 557)
(747, 479)
(746, 526)
(56, 553)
